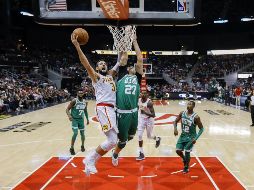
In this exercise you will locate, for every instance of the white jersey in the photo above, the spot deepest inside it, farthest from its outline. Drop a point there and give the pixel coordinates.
(144, 106)
(105, 90)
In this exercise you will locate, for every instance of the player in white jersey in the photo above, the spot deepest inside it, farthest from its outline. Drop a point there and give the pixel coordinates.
(145, 121)
(105, 92)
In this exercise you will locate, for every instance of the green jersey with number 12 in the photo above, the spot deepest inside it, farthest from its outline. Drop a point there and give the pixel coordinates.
(188, 127)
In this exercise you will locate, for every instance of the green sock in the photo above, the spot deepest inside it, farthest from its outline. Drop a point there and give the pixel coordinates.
(183, 158)
(74, 136)
(86, 114)
(82, 134)
(187, 159)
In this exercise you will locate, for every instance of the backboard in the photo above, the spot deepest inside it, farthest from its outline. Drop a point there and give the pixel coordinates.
(141, 12)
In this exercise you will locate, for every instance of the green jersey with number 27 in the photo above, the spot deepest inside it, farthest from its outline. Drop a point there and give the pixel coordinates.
(128, 90)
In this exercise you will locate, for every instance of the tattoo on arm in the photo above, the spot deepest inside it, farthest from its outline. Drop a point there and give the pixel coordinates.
(198, 122)
(71, 104)
(200, 126)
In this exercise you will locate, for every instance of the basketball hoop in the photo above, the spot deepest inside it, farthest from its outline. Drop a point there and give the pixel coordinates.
(123, 37)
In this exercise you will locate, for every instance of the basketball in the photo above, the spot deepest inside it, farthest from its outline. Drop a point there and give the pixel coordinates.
(82, 34)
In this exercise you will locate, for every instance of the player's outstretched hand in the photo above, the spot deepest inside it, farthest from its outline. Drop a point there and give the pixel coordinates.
(74, 40)
(175, 132)
(87, 122)
(70, 118)
(193, 141)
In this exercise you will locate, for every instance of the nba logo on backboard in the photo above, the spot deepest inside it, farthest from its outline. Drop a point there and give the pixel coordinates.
(182, 6)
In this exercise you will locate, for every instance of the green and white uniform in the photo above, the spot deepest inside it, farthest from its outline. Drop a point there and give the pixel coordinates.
(188, 132)
(128, 90)
(77, 114)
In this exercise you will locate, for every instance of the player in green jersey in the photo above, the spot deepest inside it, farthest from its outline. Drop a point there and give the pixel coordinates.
(128, 90)
(78, 107)
(189, 135)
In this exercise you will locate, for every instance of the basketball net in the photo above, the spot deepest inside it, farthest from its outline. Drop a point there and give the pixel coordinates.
(123, 37)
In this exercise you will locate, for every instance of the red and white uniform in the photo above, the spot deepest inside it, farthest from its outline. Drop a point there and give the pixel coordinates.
(238, 93)
(105, 93)
(144, 121)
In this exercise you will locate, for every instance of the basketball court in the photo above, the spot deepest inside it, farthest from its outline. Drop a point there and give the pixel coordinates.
(34, 157)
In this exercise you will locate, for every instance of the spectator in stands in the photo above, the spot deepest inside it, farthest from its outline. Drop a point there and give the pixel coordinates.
(252, 107)
(247, 103)
(3, 107)
(27, 94)
(238, 93)
(227, 96)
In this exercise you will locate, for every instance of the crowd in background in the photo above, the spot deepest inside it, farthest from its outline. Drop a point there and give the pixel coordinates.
(27, 92)
(21, 94)
(66, 61)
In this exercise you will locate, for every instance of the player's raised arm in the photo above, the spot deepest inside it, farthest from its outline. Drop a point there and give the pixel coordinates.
(123, 59)
(139, 65)
(91, 72)
(115, 69)
(179, 117)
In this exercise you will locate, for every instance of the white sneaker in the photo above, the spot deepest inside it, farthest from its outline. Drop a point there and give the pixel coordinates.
(89, 167)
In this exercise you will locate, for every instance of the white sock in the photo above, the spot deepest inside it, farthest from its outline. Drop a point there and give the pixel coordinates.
(93, 156)
(96, 156)
(140, 149)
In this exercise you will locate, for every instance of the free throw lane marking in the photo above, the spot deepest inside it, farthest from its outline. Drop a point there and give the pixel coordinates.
(207, 173)
(148, 176)
(45, 185)
(116, 176)
(73, 165)
(182, 170)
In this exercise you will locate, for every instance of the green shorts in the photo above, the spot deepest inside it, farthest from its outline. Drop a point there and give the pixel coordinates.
(127, 125)
(78, 124)
(187, 146)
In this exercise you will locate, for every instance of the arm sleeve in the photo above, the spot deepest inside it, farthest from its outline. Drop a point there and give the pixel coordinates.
(122, 72)
(196, 138)
(116, 67)
(139, 76)
(199, 133)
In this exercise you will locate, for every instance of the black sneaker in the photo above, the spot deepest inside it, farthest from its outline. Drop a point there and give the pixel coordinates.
(158, 142)
(185, 170)
(72, 151)
(83, 149)
(141, 156)
(252, 125)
